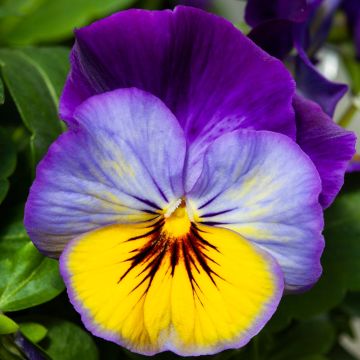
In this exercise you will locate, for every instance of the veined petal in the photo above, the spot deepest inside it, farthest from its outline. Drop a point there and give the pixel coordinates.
(121, 161)
(313, 85)
(328, 145)
(177, 56)
(196, 293)
(261, 185)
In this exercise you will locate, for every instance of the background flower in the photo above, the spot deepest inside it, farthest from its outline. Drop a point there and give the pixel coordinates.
(279, 27)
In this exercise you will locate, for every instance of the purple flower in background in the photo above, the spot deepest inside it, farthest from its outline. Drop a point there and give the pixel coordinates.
(352, 10)
(260, 11)
(280, 26)
(354, 164)
(188, 190)
(201, 4)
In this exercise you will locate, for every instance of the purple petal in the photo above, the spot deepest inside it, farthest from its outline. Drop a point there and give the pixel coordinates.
(277, 23)
(319, 24)
(201, 4)
(312, 85)
(120, 162)
(352, 10)
(199, 64)
(354, 164)
(329, 146)
(282, 24)
(30, 350)
(258, 11)
(263, 186)
(274, 36)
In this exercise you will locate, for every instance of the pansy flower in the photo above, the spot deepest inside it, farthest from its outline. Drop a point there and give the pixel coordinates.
(185, 195)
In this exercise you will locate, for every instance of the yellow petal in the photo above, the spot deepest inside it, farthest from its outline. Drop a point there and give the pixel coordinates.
(199, 292)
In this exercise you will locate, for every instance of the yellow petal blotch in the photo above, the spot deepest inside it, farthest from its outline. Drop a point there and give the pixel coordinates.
(152, 289)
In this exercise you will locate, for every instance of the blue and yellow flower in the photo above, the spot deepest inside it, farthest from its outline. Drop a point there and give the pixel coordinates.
(185, 195)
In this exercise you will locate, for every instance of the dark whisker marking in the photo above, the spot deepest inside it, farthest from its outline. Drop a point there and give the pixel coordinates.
(202, 240)
(161, 220)
(213, 223)
(188, 267)
(203, 263)
(217, 213)
(193, 282)
(194, 264)
(194, 226)
(149, 212)
(210, 259)
(147, 202)
(156, 256)
(156, 228)
(161, 192)
(209, 201)
(174, 259)
(154, 266)
(190, 248)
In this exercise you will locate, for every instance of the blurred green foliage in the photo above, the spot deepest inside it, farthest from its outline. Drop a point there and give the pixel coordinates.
(27, 22)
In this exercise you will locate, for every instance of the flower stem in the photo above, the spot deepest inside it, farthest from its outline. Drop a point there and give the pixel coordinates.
(350, 112)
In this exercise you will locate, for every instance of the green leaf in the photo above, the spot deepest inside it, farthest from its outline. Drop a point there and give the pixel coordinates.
(11, 8)
(304, 341)
(33, 331)
(7, 163)
(51, 20)
(66, 341)
(347, 52)
(34, 78)
(54, 63)
(8, 349)
(12, 238)
(4, 188)
(7, 155)
(7, 325)
(341, 265)
(342, 235)
(2, 95)
(351, 304)
(27, 277)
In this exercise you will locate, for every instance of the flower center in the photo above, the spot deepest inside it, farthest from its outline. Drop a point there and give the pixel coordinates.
(171, 240)
(177, 221)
